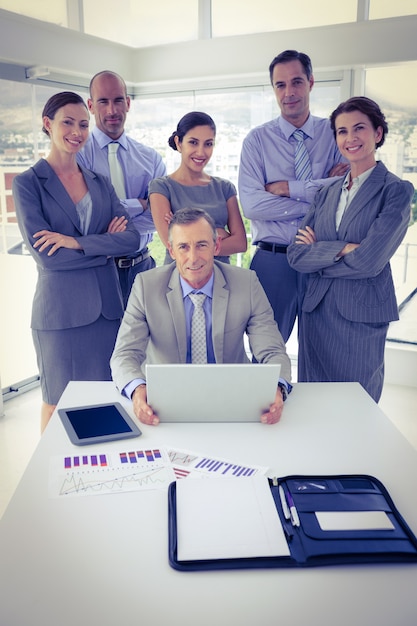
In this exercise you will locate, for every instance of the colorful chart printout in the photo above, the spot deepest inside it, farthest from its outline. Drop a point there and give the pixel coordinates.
(110, 472)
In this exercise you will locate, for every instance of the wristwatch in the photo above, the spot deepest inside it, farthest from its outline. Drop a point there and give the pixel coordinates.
(285, 390)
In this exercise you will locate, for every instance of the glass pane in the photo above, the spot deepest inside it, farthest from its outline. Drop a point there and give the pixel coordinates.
(54, 12)
(235, 112)
(379, 9)
(140, 24)
(390, 87)
(16, 152)
(235, 17)
(152, 121)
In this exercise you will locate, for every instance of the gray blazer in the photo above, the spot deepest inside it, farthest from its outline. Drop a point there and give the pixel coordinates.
(74, 286)
(153, 329)
(377, 218)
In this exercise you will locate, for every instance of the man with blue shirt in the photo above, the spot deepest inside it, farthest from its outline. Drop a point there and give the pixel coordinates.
(279, 175)
(136, 165)
(157, 324)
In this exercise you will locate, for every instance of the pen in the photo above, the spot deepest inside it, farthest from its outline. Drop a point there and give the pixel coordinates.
(284, 504)
(295, 520)
(288, 532)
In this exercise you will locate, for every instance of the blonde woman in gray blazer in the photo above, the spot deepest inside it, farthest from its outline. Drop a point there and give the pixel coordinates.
(345, 244)
(73, 224)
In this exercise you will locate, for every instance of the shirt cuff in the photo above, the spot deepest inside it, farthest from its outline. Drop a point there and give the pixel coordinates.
(130, 387)
(285, 387)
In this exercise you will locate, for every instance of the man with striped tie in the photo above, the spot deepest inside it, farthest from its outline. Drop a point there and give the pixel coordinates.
(283, 163)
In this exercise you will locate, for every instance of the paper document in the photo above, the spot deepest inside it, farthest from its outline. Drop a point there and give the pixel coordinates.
(228, 518)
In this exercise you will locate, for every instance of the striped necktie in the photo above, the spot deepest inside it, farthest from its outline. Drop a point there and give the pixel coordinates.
(301, 157)
(116, 172)
(198, 329)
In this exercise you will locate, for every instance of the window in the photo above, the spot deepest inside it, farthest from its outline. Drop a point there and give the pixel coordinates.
(379, 9)
(235, 17)
(235, 112)
(53, 11)
(140, 24)
(390, 87)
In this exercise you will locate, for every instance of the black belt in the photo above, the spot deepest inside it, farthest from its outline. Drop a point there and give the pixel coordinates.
(126, 262)
(271, 247)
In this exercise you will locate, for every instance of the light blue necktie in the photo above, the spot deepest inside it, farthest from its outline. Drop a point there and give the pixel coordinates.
(301, 157)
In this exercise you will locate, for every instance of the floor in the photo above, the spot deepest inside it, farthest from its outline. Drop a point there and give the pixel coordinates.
(20, 432)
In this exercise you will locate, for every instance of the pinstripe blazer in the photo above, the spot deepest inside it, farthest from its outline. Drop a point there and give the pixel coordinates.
(153, 329)
(74, 286)
(377, 219)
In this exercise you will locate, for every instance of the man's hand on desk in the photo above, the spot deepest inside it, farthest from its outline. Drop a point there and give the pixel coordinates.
(141, 408)
(275, 410)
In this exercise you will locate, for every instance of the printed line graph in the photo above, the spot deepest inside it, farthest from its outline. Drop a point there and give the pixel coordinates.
(114, 480)
(182, 458)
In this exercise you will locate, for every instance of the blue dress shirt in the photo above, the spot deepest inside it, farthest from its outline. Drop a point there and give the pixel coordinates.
(140, 165)
(268, 156)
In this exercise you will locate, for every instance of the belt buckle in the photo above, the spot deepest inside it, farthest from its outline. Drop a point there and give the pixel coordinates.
(124, 263)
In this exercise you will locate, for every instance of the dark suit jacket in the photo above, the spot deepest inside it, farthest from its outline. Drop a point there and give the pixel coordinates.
(153, 329)
(74, 286)
(377, 219)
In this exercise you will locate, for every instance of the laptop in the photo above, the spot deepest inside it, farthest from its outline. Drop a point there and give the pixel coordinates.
(214, 392)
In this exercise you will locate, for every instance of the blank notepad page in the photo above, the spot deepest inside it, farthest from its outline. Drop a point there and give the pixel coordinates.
(220, 518)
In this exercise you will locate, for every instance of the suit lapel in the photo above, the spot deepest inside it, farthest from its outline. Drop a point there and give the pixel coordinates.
(53, 186)
(327, 218)
(219, 309)
(370, 188)
(91, 182)
(176, 306)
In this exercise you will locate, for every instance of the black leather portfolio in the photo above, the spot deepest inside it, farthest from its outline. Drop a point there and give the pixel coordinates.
(323, 520)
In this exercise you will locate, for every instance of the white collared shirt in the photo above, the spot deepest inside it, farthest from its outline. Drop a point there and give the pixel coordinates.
(347, 195)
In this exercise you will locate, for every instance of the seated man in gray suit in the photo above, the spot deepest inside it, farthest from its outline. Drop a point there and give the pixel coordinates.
(156, 326)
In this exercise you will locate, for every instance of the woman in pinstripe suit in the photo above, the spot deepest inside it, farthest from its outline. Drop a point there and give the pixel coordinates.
(345, 244)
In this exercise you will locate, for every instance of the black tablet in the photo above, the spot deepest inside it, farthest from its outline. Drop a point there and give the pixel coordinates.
(98, 423)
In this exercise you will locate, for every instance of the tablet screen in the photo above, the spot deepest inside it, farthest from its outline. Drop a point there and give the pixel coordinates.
(94, 424)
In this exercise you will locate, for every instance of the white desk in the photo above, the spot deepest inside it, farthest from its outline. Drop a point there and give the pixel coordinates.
(102, 560)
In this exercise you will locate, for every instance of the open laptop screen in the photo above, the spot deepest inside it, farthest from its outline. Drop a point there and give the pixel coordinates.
(226, 392)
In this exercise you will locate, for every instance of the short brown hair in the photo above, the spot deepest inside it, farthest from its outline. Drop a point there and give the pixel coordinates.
(366, 106)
